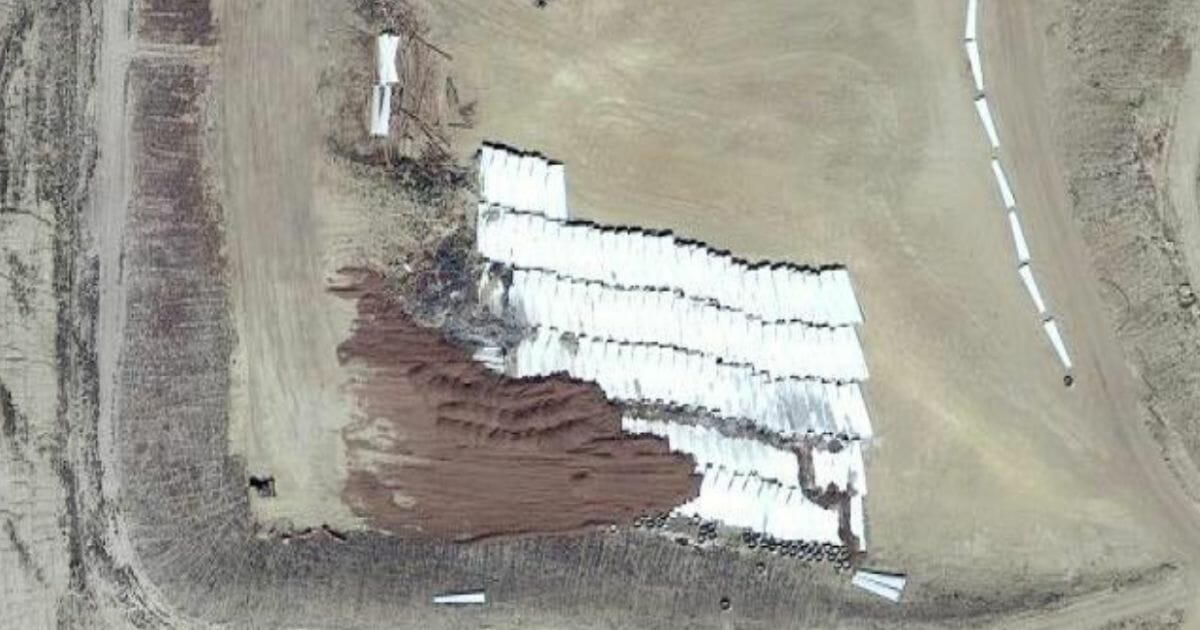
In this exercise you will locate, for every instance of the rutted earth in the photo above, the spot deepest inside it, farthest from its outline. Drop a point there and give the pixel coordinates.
(123, 504)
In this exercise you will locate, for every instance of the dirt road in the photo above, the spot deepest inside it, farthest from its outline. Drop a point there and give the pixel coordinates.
(1015, 33)
(109, 204)
(1023, 57)
(287, 381)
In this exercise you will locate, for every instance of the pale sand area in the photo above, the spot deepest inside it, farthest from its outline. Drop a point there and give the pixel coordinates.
(33, 557)
(35, 575)
(844, 133)
(296, 215)
(800, 131)
(282, 237)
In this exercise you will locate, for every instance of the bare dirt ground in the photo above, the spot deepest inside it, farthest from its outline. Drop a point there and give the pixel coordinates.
(288, 408)
(45, 151)
(294, 217)
(818, 133)
(833, 132)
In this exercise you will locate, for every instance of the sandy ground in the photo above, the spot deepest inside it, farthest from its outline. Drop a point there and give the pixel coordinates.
(35, 574)
(295, 215)
(295, 80)
(828, 150)
(839, 134)
(107, 213)
(32, 556)
(824, 133)
(1120, 235)
(1184, 151)
(1027, 122)
(288, 407)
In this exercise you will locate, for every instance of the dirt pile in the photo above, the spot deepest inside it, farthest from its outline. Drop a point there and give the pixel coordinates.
(451, 450)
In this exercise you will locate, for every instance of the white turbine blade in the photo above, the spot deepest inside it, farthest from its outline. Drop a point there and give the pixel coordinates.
(989, 126)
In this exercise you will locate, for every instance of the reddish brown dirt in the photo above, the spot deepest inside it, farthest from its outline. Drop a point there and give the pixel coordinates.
(447, 449)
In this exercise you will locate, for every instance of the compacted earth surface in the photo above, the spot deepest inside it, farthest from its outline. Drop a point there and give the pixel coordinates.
(235, 375)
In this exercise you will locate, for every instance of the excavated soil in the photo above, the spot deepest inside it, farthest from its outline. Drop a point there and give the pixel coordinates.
(448, 449)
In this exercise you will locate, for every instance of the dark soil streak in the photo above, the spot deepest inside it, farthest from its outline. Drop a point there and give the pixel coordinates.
(11, 419)
(11, 62)
(23, 556)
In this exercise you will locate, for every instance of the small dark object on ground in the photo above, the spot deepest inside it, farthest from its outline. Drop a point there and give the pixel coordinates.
(1187, 296)
(1069, 380)
(333, 533)
(726, 604)
(264, 485)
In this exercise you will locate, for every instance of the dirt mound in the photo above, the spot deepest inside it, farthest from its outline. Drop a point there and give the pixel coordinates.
(448, 449)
